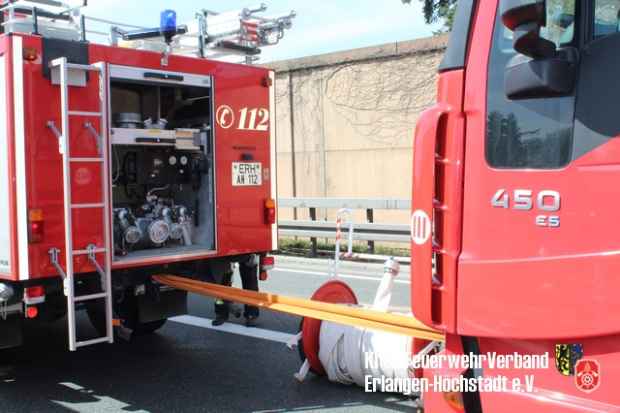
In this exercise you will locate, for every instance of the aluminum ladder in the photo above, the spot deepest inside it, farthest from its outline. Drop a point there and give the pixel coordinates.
(65, 70)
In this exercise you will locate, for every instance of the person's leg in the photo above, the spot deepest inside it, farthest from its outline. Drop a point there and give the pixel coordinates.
(221, 312)
(249, 280)
(216, 271)
(222, 307)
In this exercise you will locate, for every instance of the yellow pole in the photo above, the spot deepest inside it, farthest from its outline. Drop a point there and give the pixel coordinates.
(337, 313)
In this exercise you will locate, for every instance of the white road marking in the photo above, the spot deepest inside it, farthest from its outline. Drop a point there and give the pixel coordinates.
(98, 403)
(235, 329)
(347, 276)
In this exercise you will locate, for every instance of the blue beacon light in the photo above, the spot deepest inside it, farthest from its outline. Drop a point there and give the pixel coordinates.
(168, 21)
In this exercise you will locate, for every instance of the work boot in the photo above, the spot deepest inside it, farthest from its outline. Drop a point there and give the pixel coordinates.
(251, 321)
(219, 320)
(222, 309)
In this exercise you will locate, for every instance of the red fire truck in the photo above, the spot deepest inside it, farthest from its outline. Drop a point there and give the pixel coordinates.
(119, 163)
(514, 249)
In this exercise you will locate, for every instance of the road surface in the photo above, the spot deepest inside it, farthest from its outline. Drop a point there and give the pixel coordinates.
(188, 366)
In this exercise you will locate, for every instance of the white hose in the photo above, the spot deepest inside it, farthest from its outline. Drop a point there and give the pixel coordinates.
(383, 296)
(350, 354)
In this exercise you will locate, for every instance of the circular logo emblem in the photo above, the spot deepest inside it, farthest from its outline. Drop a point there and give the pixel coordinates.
(587, 375)
(420, 227)
(225, 116)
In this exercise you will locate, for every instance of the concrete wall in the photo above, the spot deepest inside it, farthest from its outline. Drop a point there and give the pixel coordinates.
(345, 121)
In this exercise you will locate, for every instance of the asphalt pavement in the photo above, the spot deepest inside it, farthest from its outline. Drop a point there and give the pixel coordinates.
(188, 366)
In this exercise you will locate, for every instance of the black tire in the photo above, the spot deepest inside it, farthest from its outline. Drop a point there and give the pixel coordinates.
(97, 318)
(96, 315)
(150, 327)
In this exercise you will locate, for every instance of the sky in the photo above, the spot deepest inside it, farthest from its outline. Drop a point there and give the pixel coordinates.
(320, 26)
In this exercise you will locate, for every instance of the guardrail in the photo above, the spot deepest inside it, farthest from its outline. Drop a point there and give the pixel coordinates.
(351, 203)
(367, 231)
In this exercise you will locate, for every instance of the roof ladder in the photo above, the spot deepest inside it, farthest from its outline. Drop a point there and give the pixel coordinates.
(95, 253)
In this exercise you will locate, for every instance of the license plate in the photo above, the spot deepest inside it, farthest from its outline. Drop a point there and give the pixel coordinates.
(247, 174)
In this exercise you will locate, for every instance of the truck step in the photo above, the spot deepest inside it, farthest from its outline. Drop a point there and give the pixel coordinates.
(87, 206)
(93, 341)
(90, 297)
(84, 113)
(86, 159)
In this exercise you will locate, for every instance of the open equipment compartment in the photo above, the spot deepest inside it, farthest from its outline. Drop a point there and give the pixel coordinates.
(162, 166)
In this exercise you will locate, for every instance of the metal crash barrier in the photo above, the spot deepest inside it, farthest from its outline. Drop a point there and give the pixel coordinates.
(337, 313)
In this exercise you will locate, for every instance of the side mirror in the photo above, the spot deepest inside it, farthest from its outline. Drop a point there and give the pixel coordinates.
(525, 18)
(540, 70)
(519, 12)
(540, 78)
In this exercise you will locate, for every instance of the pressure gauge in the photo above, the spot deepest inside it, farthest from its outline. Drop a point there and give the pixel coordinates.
(184, 160)
(172, 160)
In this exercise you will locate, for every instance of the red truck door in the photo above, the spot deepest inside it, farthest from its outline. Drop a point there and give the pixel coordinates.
(527, 259)
(539, 255)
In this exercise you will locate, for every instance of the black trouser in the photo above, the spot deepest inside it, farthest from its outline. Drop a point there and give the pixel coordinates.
(249, 281)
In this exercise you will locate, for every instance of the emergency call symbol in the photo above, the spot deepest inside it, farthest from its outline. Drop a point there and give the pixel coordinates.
(225, 116)
(420, 227)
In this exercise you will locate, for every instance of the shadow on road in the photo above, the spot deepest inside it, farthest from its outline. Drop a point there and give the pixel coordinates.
(179, 369)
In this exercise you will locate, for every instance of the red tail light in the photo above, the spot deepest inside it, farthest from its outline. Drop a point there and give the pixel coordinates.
(267, 263)
(30, 54)
(32, 312)
(35, 226)
(33, 292)
(270, 211)
(34, 295)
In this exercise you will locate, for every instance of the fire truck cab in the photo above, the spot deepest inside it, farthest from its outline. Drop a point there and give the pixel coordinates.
(514, 249)
(119, 163)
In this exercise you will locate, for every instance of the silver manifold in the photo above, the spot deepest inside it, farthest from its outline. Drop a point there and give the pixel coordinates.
(156, 223)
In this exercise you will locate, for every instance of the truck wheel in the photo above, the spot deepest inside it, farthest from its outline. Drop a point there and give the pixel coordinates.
(150, 327)
(96, 315)
(11, 334)
(97, 318)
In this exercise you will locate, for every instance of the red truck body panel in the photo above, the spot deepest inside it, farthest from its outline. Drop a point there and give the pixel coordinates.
(9, 268)
(510, 285)
(240, 219)
(537, 279)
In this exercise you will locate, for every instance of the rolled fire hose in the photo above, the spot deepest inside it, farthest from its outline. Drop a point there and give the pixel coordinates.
(337, 345)
(349, 354)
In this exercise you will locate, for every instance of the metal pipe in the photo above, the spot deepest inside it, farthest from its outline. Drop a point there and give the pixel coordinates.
(96, 19)
(339, 216)
(184, 221)
(52, 3)
(249, 11)
(202, 37)
(187, 237)
(161, 188)
(291, 107)
(35, 21)
(83, 27)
